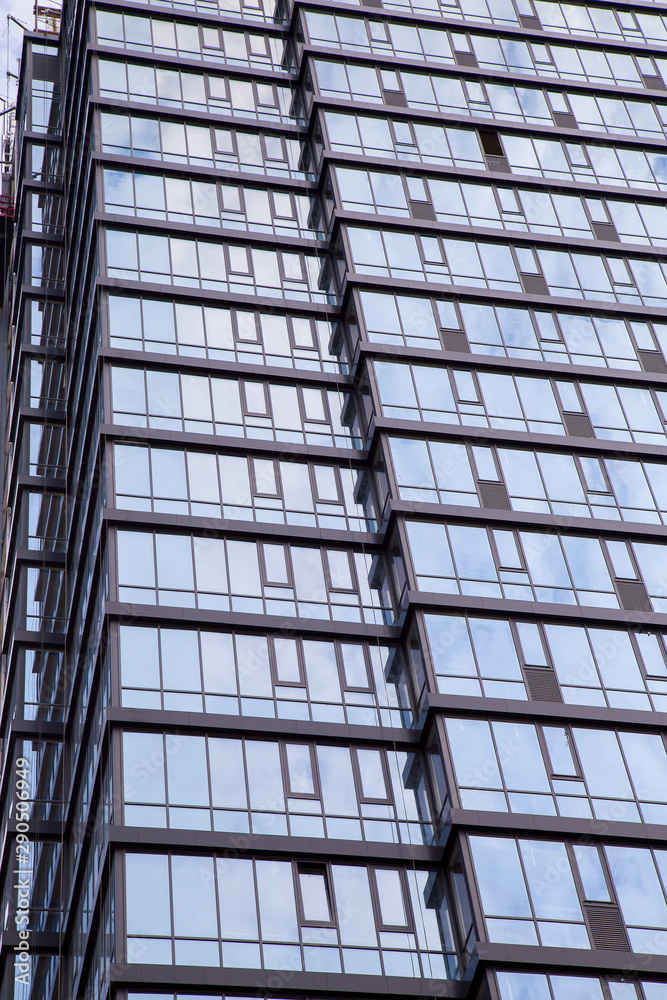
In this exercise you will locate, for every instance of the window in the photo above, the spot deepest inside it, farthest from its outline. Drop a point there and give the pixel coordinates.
(628, 879)
(576, 485)
(522, 402)
(232, 408)
(274, 677)
(548, 661)
(262, 914)
(510, 331)
(506, 766)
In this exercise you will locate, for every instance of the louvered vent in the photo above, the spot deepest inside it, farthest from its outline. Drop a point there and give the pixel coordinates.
(654, 82)
(542, 684)
(452, 341)
(606, 927)
(632, 595)
(578, 425)
(605, 231)
(422, 210)
(564, 119)
(395, 98)
(499, 164)
(652, 361)
(534, 284)
(494, 495)
(530, 21)
(465, 59)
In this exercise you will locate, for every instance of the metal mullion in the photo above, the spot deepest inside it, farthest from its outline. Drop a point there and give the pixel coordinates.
(184, 452)
(529, 895)
(501, 773)
(491, 980)
(153, 534)
(159, 631)
(433, 817)
(407, 558)
(631, 430)
(431, 677)
(594, 659)
(472, 885)
(383, 453)
(218, 476)
(228, 574)
(246, 783)
(550, 502)
(434, 471)
(577, 763)
(171, 907)
(116, 865)
(209, 786)
(149, 450)
(118, 771)
(202, 690)
(661, 880)
(575, 590)
(656, 504)
(636, 650)
(628, 772)
(439, 732)
(112, 561)
(661, 647)
(258, 911)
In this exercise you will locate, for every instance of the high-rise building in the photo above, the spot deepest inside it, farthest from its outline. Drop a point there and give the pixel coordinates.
(335, 502)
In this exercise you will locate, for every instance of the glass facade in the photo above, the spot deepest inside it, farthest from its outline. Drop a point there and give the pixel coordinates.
(334, 548)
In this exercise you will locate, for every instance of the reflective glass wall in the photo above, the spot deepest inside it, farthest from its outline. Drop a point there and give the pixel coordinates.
(335, 527)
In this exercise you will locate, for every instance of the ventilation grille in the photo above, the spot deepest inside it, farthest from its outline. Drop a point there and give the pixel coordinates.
(452, 341)
(396, 98)
(465, 59)
(578, 425)
(494, 495)
(606, 927)
(46, 67)
(542, 684)
(422, 210)
(499, 164)
(632, 595)
(605, 231)
(534, 284)
(564, 119)
(530, 21)
(652, 361)
(654, 82)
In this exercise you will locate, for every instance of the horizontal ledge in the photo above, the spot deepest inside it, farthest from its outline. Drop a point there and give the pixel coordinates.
(271, 980)
(224, 844)
(499, 606)
(331, 732)
(267, 624)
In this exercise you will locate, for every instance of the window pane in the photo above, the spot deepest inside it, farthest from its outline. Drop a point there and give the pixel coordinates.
(314, 897)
